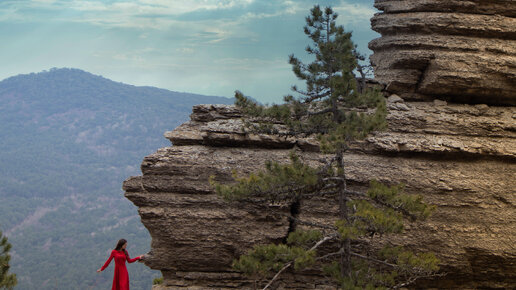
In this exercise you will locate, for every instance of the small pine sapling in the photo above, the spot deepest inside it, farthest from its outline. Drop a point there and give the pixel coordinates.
(7, 280)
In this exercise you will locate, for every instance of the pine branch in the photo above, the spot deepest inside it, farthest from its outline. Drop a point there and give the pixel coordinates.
(299, 221)
(327, 165)
(304, 93)
(334, 178)
(317, 225)
(277, 274)
(322, 193)
(312, 97)
(329, 110)
(287, 265)
(281, 194)
(373, 260)
(413, 279)
(397, 208)
(382, 203)
(329, 255)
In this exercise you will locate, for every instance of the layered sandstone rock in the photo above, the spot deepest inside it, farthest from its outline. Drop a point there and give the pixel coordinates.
(461, 50)
(461, 158)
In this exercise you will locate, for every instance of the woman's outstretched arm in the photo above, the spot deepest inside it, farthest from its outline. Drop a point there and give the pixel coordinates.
(129, 260)
(107, 262)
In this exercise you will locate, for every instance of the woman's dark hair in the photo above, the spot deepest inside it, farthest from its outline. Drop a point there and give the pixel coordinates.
(120, 244)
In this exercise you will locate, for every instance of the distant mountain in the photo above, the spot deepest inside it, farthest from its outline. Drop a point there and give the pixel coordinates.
(68, 140)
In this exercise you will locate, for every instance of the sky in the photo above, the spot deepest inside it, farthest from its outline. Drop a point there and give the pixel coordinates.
(198, 46)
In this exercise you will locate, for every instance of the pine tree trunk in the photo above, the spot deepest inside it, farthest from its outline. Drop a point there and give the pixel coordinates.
(362, 81)
(345, 258)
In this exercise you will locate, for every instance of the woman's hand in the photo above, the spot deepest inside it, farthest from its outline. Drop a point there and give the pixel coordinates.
(98, 271)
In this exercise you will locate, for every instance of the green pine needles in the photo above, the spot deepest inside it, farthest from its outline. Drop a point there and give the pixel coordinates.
(7, 280)
(355, 250)
(276, 183)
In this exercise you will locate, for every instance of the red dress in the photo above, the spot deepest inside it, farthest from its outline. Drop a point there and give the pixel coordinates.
(121, 277)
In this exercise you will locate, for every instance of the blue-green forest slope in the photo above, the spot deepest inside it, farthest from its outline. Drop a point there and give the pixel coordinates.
(68, 140)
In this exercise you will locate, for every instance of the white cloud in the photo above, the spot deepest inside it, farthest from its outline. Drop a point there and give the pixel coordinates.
(45, 1)
(8, 13)
(129, 13)
(164, 15)
(185, 6)
(352, 13)
(213, 34)
(185, 50)
(93, 6)
(286, 7)
(250, 64)
(157, 7)
(160, 14)
(293, 7)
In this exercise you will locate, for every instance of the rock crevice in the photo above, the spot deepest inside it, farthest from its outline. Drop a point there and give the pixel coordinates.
(449, 67)
(196, 235)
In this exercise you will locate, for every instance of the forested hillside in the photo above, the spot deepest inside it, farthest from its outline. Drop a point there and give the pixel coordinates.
(68, 140)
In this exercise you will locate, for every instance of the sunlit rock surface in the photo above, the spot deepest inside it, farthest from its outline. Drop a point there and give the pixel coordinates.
(461, 158)
(451, 138)
(461, 50)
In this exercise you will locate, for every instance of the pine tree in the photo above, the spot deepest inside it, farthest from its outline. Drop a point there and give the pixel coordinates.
(7, 281)
(332, 108)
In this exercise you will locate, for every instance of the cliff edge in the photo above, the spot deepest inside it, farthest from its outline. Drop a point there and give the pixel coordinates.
(449, 70)
(461, 158)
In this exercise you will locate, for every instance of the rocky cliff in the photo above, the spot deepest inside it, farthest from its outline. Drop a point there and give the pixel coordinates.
(462, 158)
(460, 155)
(463, 51)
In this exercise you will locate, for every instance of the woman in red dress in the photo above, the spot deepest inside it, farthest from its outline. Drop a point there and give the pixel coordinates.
(121, 277)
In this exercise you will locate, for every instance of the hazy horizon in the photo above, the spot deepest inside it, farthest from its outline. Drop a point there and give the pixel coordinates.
(197, 46)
